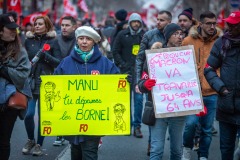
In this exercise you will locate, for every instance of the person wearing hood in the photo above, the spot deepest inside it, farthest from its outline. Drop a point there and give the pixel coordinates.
(43, 63)
(125, 50)
(85, 59)
(202, 37)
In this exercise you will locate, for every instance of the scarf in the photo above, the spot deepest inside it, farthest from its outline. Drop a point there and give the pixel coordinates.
(66, 43)
(228, 42)
(84, 55)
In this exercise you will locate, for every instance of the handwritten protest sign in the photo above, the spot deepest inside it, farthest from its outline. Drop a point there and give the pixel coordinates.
(177, 91)
(85, 105)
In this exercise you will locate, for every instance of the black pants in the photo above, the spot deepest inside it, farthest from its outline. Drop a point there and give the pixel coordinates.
(87, 150)
(7, 121)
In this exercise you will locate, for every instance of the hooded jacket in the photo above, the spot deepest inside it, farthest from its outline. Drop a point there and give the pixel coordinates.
(126, 40)
(202, 48)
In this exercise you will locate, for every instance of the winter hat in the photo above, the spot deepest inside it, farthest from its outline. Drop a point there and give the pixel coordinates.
(170, 29)
(135, 17)
(187, 12)
(234, 18)
(89, 32)
(121, 15)
(8, 21)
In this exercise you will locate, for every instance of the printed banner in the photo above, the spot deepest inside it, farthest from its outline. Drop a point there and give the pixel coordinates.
(177, 90)
(85, 105)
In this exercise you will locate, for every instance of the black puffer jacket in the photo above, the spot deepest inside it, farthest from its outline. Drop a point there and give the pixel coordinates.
(148, 39)
(228, 106)
(46, 63)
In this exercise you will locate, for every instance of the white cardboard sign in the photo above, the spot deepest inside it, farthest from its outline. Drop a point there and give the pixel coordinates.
(177, 91)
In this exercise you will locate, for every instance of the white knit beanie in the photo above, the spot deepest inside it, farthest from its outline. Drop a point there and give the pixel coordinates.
(89, 32)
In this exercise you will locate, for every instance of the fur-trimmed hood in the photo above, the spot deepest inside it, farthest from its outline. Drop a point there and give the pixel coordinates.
(194, 33)
(50, 34)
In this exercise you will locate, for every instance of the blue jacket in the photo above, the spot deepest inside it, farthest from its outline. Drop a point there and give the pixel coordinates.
(74, 64)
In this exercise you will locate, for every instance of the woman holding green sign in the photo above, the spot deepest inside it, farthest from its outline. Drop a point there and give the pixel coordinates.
(85, 59)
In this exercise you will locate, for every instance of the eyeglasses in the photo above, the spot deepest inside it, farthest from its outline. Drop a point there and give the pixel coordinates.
(178, 34)
(210, 24)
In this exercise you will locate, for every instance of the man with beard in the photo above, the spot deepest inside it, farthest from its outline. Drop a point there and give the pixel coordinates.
(125, 50)
(202, 37)
(225, 55)
(186, 20)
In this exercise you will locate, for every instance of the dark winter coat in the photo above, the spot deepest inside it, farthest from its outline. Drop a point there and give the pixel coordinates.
(228, 106)
(148, 39)
(47, 62)
(63, 45)
(122, 50)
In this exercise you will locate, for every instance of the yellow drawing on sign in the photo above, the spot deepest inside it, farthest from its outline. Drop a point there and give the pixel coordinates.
(119, 124)
(50, 96)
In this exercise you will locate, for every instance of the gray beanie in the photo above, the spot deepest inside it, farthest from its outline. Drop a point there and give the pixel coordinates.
(89, 32)
(170, 29)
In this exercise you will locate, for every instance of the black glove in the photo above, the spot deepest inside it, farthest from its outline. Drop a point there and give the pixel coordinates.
(129, 78)
(223, 91)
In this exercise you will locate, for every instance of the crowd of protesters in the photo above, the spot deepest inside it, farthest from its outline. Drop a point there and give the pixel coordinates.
(116, 47)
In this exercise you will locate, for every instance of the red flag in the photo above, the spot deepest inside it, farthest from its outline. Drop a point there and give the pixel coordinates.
(30, 18)
(111, 13)
(220, 18)
(82, 5)
(69, 9)
(15, 5)
(93, 19)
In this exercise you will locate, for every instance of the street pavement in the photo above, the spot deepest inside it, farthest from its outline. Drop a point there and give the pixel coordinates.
(113, 148)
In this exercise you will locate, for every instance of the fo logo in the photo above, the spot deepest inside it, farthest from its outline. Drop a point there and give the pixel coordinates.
(122, 85)
(95, 72)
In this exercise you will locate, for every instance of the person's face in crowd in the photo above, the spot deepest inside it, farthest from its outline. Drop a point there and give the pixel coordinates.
(176, 39)
(234, 29)
(8, 35)
(184, 22)
(135, 25)
(162, 21)
(85, 43)
(79, 23)
(208, 26)
(28, 28)
(67, 27)
(39, 26)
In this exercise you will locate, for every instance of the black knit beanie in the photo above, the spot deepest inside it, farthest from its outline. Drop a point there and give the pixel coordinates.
(121, 15)
(170, 29)
(187, 12)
